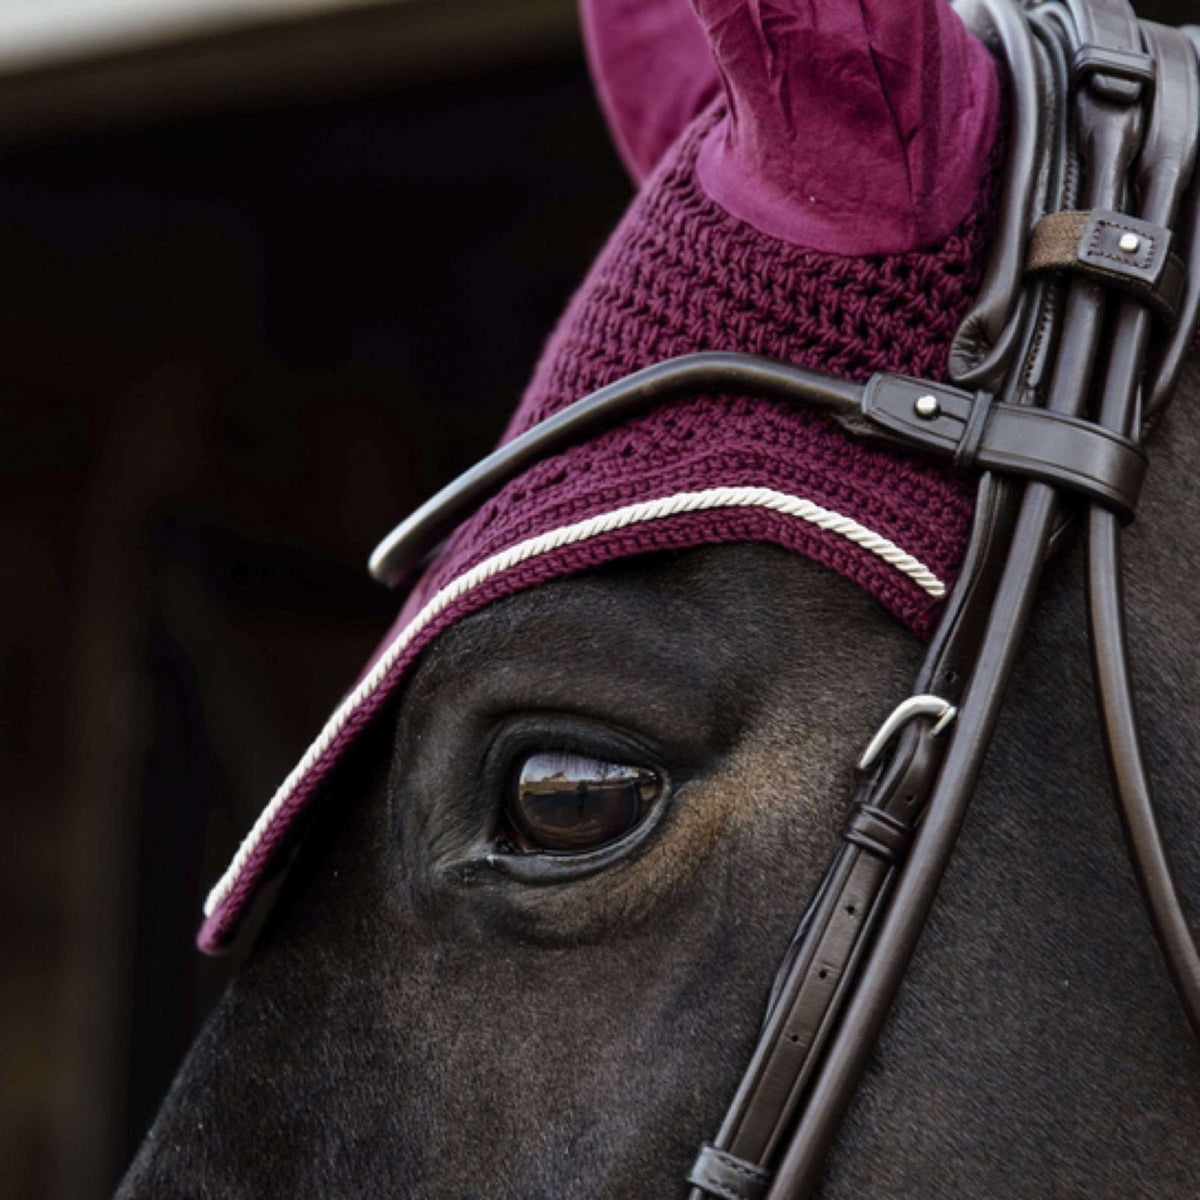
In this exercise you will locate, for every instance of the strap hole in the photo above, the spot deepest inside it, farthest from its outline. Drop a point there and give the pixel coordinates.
(822, 974)
(910, 799)
(794, 1038)
(851, 909)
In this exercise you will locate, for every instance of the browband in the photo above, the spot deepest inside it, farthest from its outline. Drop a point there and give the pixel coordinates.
(972, 431)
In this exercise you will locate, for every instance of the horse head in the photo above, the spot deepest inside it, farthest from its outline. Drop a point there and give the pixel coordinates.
(548, 853)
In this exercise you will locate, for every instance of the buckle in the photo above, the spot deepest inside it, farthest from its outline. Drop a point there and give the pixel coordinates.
(925, 705)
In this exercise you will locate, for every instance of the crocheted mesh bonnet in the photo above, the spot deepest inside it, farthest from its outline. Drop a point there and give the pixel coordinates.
(679, 275)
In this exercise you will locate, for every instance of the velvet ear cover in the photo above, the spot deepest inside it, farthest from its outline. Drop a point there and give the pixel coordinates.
(653, 73)
(849, 126)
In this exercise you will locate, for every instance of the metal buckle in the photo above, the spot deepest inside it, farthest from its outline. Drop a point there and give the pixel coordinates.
(925, 705)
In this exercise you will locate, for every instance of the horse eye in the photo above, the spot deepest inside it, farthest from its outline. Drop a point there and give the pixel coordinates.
(568, 803)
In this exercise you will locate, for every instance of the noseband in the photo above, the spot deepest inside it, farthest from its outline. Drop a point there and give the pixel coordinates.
(1073, 348)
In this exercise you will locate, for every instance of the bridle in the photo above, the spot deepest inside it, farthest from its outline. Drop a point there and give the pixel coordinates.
(1071, 352)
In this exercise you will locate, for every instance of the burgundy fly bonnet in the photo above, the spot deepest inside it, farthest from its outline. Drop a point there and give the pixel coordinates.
(816, 186)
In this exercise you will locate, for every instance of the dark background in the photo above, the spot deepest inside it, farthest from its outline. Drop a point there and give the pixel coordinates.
(235, 348)
(243, 330)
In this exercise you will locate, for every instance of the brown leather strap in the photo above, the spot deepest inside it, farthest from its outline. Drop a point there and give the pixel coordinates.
(1108, 109)
(814, 981)
(718, 1173)
(1172, 139)
(983, 346)
(1036, 443)
(850, 952)
(1112, 248)
(878, 832)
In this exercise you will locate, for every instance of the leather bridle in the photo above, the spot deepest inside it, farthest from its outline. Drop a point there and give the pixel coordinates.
(1073, 348)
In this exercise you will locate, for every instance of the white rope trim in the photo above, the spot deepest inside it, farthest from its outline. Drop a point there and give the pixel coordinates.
(535, 547)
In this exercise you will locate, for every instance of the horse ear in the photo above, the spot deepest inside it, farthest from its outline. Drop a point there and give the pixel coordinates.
(652, 70)
(853, 126)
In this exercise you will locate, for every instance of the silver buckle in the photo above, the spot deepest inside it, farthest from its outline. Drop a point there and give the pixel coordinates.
(925, 705)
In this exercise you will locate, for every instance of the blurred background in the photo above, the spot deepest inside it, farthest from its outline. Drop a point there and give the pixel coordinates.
(270, 272)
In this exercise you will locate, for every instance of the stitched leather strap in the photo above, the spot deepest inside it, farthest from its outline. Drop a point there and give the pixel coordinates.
(1112, 248)
(718, 1173)
(1109, 117)
(1036, 443)
(848, 956)
(812, 982)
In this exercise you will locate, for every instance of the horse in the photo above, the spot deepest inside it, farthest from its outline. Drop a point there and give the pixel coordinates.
(547, 858)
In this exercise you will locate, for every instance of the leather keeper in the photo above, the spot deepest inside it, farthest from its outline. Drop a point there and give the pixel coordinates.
(1126, 76)
(719, 1173)
(1011, 439)
(878, 832)
(1122, 251)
